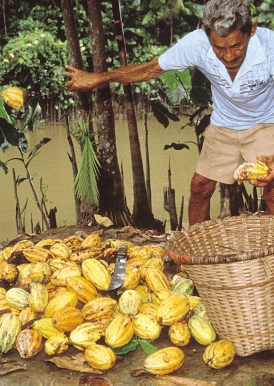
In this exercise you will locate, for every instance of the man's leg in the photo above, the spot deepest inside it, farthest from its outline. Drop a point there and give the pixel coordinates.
(201, 190)
(269, 197)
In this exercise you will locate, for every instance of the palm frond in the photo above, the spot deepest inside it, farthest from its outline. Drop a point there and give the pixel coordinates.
(85, 183)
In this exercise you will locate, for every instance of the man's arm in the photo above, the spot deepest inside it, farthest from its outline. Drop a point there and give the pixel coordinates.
(85, 81)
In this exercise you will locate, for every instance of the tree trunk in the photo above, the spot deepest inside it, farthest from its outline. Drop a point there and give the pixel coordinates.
(142, 216)
(231, 200)
(82, 100)
(112, 200)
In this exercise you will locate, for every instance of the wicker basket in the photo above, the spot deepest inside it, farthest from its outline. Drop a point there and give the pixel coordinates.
(231, 262)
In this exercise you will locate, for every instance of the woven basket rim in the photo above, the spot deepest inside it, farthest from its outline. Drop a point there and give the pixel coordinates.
(220, 258)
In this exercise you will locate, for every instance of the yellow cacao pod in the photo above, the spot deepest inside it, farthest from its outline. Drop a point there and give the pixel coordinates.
(4, 306)
(54, 291)
(135, 262)
(60, 251)
(193, 301)
(79, 255)
(179, 333)
(58, 264)
(8, 272)
(29, 343)
(59, 277)
(92, 240)
(73, 242)
(132, 278)
(6, 253)
(157, 251)
(173, 309)
(145, 294)
(24, 270)
(164, 361)
(115, 243)
(28, 315)
(10, 326)
(40, 272)
(149, 309)
(57, 344)
(219, 354)
(36, 254)
(201, 330)
(85, 334)
(38, 297)
(66, 299)
(96, 273)
(83, 288)
(15, 97)
(159, 295)
(104, 321)
(155, 262)
(119, 332)
(100, 357)
(146, 327)
(156, 279)
(136, 251)
(17, 298)
(67, 318)
(46, 243)
(44, 327)
(129, 302)
(21, 244)
(99, 308)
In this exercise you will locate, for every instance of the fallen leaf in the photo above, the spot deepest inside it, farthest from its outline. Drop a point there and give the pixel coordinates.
(94, 381)
(265, 379)
(73, 364)
(104, 221)
(10, 366)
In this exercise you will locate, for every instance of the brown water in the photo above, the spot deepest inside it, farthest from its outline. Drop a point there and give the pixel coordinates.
(53, 166)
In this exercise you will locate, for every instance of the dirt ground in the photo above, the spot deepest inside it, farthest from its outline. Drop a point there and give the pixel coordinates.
(254, 370)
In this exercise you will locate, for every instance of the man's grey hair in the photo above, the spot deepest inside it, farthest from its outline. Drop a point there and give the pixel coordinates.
(225, 16)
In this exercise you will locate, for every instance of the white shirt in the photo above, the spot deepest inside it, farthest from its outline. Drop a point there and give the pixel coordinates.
(239, 104)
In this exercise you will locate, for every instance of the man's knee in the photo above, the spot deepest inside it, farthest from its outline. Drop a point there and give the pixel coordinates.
(201, 186)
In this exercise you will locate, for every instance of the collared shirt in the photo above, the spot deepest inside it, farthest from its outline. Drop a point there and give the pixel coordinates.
(239, 104)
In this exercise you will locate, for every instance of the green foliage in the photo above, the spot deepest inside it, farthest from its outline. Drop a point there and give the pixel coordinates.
(12, 127)
(85, 184)
(133, 344)
(265, 14)
(34, 58)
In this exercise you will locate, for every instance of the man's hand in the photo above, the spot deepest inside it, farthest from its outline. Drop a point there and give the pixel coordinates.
(262, 181)
(81, 80)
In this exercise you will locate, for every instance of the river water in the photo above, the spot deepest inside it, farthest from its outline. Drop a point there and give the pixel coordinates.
(53, 166)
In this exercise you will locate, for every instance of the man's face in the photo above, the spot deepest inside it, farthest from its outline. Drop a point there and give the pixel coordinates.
(230, 50)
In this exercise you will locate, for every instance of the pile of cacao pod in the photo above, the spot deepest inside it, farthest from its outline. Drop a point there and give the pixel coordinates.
(54, 295)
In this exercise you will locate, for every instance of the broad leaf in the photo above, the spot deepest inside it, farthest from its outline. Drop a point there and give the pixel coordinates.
(131, 346)
(22, 179)
(202, 125)
(161, 118)
(10, 134)
(4, 167)
(176, 146)
(173, 78)
(3, 112)
(163, 112)
(147, 346)
(38, 146)
(31, 116)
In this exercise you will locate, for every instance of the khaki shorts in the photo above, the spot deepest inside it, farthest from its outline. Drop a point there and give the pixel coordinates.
(225, 149)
